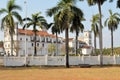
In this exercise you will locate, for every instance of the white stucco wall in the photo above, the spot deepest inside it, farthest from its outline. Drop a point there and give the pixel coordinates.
(86, 51)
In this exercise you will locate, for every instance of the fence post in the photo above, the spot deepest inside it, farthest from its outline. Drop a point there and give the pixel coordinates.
(46, 59)
(99, 59)
(79, 59)
(90, 59)
(65, 59)
(5, 60)
(114, 58)
(83, 59)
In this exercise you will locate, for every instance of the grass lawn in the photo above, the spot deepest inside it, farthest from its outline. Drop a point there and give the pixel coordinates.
(60, 73)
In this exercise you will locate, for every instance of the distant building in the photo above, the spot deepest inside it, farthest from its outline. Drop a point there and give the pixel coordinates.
(71, 42)
(84, 43)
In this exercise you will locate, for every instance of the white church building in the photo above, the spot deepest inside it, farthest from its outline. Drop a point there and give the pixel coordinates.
(24, 42)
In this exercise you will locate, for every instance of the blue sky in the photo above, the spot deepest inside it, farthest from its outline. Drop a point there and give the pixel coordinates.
(34, 6)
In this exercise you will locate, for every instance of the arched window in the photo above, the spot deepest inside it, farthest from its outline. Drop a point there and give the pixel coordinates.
(37, 44)
(32, 44)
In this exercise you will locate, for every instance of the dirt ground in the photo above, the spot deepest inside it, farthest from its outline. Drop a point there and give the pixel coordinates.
(60, 73)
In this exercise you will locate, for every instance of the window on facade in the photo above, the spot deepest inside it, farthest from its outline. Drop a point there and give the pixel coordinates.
(90, 36)
(5, 45)
(31, 38)
(26, 39)
(37, 44)
(86, 35)
(42, 45)
(8, 45)
(90, 43)
(43, 39)
(20, 38)
(32, 44)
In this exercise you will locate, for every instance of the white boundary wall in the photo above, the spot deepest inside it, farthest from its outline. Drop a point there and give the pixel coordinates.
(59, 60)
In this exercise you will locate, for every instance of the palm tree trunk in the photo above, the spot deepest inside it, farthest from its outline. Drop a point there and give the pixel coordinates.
(76, 42)
(67, 49)
(56, 44)
(11, 34)
(35, 50)
(112, 42)
(100, 34)
(95, 42)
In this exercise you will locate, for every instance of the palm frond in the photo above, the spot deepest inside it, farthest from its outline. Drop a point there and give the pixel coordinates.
(16, 7)
(10, 4)
(3, 11)
(51, 12)
(27, 25)
(77, 11)
(49, 25)
(110, 11)
(17, 16)
(105, 23)
(3, 23)
(27, 19)
(118, 3)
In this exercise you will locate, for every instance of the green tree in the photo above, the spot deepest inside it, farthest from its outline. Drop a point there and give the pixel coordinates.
(35, 21)
(112, 23)
(64, 12)
(51, 48)
(8, 20)
(94, 28)
(77, 26)
(99, 3)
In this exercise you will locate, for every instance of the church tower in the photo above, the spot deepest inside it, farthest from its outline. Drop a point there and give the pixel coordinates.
(88, 38)
(7, 40)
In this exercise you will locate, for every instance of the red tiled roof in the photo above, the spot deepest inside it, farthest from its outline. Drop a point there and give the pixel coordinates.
(30, 32)
(70, 39)
(85, 46)
(53, 36)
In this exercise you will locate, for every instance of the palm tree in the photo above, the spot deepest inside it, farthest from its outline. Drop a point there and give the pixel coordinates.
(36, 20)
(8, 20)
(118, 3)
(64, 12)
(77, 26)
(94, 28)
(99, 3)
(112, 23)
(55, 30)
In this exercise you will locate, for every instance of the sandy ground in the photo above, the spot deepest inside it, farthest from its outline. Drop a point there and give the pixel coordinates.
(60, 73)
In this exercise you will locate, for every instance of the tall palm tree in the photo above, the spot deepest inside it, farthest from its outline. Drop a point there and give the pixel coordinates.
(35, 21)
(112, 23)
(94, 28)
(118, 3)
(64, 11)
(8, 20)
(55, 30)
(77, 26)
(99, 3)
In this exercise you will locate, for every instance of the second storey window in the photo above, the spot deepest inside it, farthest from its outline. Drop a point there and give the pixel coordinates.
(37, 44)
(26, 39)
(21, 39)
(32, 44)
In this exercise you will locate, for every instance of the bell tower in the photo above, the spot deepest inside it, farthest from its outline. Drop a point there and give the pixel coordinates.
(88, 38)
